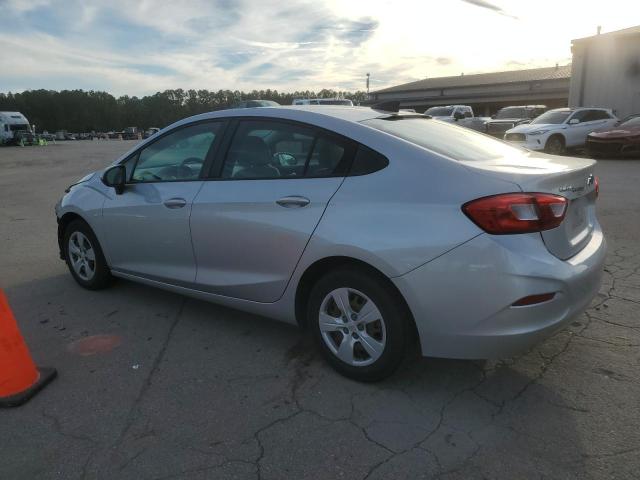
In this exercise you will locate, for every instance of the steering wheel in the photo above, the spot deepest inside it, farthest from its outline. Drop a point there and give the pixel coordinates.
(279, 155)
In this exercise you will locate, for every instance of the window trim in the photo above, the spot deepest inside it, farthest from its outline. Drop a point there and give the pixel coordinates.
(209, 158)
(212, 166)
(215, 172)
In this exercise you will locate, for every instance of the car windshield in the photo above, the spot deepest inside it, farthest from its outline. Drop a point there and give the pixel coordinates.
(440, 111)
(559, 116)
(631, 122)
(512, 112)
(440, 137)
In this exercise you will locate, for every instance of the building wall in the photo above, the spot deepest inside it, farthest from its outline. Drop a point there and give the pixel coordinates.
(606, 73)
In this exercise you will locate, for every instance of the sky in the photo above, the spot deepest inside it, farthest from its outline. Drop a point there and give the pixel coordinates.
(144, 46)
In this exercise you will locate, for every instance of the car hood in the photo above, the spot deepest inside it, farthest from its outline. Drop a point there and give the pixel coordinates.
(617, 133)
(84, 179)
(527, 127)
(443, 118)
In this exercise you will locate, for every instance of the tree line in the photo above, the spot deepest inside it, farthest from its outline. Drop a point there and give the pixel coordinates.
(85, 111)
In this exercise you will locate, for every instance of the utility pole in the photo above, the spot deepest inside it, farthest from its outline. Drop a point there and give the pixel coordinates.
(368, 75)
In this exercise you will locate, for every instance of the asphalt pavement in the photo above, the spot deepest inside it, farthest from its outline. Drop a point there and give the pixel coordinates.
(155, 386)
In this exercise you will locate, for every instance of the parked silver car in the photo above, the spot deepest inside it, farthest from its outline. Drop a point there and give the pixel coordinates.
(367, 227)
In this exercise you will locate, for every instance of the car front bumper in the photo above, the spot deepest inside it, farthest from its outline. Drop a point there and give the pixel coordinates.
(462, 302)
(537, 142)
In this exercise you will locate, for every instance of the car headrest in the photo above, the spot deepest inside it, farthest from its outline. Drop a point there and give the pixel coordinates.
(251, 151)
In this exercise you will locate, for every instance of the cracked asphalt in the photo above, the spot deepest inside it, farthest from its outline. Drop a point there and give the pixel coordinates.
(195, 391)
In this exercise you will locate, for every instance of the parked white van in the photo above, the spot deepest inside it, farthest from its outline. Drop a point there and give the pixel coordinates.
(10, 123)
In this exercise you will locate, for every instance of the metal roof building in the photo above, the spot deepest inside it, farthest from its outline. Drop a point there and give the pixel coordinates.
(606, 71)
(485, 92)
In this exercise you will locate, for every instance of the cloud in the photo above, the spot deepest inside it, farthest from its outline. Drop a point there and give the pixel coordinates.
(138, 48)
(489, 6)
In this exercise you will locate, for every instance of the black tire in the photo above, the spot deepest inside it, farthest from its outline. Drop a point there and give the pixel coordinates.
(555, 145)
(102, 275)
(393, 310)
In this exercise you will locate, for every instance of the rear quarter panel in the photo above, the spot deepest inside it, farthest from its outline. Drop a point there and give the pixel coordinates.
(404, 215)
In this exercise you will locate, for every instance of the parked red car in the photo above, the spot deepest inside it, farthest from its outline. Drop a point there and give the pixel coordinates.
(623, 139)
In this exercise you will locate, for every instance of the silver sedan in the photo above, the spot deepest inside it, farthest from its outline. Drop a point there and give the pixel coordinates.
(369, 228)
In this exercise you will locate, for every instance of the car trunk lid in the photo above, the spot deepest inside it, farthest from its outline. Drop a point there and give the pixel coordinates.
(572, 178)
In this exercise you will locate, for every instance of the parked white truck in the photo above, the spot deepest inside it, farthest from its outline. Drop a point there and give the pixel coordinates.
(10, 124)
(460, 115)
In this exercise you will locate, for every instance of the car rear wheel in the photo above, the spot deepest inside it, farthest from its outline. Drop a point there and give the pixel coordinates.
(84, 257)
(555, 145)
(359, 324)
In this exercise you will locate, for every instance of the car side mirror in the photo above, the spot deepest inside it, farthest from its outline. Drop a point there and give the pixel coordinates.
(574, 121)
(115, 177)
(458, 115)
(493, 117)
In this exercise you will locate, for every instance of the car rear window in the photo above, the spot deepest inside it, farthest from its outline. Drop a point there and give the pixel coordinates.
(455, 142)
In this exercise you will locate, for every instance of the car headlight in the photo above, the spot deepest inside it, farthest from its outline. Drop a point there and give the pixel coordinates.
(537, 132)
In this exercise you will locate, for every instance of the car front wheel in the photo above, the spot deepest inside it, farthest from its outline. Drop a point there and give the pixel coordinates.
(359, 324)
(555, 145)
(84, 256)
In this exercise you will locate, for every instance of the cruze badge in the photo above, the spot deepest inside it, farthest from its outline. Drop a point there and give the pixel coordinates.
(570, 188)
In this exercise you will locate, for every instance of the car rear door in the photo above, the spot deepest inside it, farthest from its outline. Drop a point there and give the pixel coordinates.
(147, 226)
(590, 120)
(252, 220)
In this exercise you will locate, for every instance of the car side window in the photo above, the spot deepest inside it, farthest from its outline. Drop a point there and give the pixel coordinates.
(367, 161)
(329, 158)
(271, 149)
(268, 149)
(597, 115)
(177, 156)
(581, 116)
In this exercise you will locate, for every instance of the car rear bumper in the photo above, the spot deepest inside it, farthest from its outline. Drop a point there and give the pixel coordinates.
(612, 147)
(463, 301)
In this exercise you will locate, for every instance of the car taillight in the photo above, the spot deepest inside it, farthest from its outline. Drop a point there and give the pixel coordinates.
(511, 213)
(596, 184)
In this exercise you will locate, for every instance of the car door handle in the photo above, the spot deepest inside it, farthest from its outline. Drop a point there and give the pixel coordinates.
(293, 201)
(175, 203)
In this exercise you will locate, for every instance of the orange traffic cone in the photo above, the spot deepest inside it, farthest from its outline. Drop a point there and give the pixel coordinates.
(19, 378)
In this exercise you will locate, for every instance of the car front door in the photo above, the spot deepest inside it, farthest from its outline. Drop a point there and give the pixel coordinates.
(252, 222)
(589, 120)
(146, 227)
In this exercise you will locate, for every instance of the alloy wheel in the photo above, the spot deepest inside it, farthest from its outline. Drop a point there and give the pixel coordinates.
(352, 327)
(82, 256)
(555, 146)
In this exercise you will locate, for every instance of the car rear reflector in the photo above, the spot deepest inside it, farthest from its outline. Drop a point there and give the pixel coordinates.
(533, 299)
(511, 213)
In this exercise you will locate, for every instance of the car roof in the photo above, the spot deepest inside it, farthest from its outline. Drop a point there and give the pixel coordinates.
(448, 106)
(525, 106)
(577, 109)
(308, 113)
